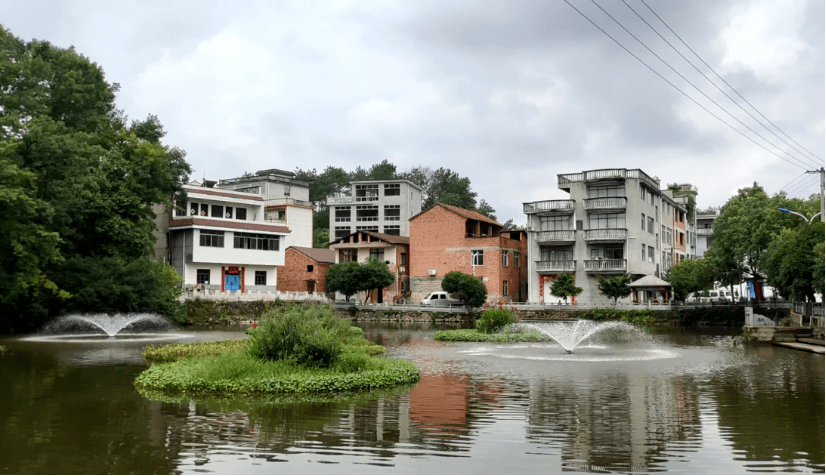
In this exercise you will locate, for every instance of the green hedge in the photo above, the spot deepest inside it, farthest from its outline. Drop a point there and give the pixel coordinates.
(472, 335)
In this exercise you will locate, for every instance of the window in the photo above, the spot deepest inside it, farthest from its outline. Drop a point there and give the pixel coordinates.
(377, 254)
(287, 190)
(515, 259)
(556, 254)
(309, 268)
(642, 193)
(606, 220)
(403, 259)
(341, 232)
(202, 276)
(554, 223)
(504, 257)
(228, 212)
(180, 208)
(643, 253)
(606, 191)
(342, 214)
(368, 228)
(260, 278)
(240, 213)
(367, 192)
(212, 238)
(651, 254)
(392, 213)
(394, 230)
(642, 222)
(504, 288)
(217, 211)
(477, 257)
(204, 210)
(391, 189)
(650, 225)
(349, 255)
(193, 209)
(367, 213)
(255, 241)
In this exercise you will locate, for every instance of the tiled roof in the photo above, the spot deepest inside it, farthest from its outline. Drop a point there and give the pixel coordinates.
(470, 214)
(252, 226)
(209, 191)
(649, 281)
(392, 239)
(319, 255)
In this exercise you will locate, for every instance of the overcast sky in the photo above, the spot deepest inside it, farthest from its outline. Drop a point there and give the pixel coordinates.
(507, 93)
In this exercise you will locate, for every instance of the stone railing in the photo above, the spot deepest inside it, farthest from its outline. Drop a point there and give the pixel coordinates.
(555, 235)
(564, 206)
(606, 234)
(605, 265)
(705, 231)
(605, 203)
(564, 180)
(556, 265)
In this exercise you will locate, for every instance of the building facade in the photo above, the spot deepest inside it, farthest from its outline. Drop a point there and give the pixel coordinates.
(305, 269)
(705, 229)
(616, 221)
(218, 240)
(361, 246)
(286, 202)
(445, 238)
(379, 206)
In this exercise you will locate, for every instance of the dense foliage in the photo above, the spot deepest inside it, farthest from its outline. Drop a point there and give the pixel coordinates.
(173, 352)
(494, 320)
(472, 335)
(690, 276)
(77, 184)
(466, 288)
(614, 287)
(351, 277)
(564, 286)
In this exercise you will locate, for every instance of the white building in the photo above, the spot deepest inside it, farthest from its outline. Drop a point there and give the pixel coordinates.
(595, 232)
(380, 206)
(219, 240)
(286, 202)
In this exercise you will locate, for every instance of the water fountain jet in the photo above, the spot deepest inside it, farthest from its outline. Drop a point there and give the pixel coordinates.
(570, 334)
(113, 327)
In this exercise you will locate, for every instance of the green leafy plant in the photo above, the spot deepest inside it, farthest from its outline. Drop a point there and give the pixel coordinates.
(563, 286)
(493, 320)
(468, 289)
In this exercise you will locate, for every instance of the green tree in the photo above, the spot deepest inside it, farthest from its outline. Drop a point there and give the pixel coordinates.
(450, 282)
(468, 289)
(321, 237)
(446, 186)
(565, 286)
(690, 276)
(614, 287)
(375, 275)
(486, 209)
(793, 259)
(345, 278)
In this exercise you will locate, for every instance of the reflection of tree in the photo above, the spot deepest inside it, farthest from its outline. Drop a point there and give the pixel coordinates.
(623, 424)
(772, 411)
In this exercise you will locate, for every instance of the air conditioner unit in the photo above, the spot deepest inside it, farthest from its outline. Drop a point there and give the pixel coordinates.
(432, 272)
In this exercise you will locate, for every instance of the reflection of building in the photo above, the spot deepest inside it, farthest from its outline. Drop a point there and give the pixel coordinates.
(381, 206)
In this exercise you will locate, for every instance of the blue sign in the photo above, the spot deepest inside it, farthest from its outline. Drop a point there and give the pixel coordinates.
(750, 287)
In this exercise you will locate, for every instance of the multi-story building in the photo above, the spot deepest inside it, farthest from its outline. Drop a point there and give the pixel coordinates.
(595, 232)
(380, 206)
(286, 202)
(705, 229)
(218, 240)
(361, 246)
(445, 238)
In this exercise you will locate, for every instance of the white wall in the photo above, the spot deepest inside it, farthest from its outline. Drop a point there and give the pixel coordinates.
(300, 223)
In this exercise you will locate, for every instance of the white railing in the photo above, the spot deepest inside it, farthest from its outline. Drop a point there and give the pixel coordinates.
(605, 202)
(606, 174)
(605, 264)
(606, 234)
(549, 206)
(705, 231)
(288, 201)
(555, 235)
(556, 265)
(217, 295)
(334, 200)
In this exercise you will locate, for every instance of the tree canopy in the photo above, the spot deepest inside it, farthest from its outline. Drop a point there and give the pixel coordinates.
(468, 289)
(565, 286)
(614, 287)
(351, 277)
(690, 276)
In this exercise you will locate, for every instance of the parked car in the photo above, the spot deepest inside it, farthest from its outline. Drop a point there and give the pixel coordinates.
(440, 298)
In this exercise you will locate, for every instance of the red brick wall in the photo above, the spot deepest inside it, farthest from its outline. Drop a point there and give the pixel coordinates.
(293, 276)
(438, 242)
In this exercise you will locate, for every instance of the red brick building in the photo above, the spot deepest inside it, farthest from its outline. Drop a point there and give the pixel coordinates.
(445, 238)
(393, 250)
(304, 269)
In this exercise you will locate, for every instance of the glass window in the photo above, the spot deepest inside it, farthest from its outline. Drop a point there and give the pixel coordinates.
(504, 288)
(504, 257)
(342, 214)
(202, 276)
(606, 191)
(287, 190)
(212, 238)
(554, 223)
(342, 231)
(204, 210)
(368, 228)
(643, 253)
(310, 268)
(255, 241)
(391, 189)
(556, 254)
(606, 220)
(377, 254)
(228, 212)
(403, 259)
(642, 193)
(515, 259)
(349, 255)
(367, 213)
(651, 225)
(642, 222)
(193, 209)
(651, 254)
(477, 257)
(180, 208)
(260, 278)
(394, 230)
(217, 211)
(392, 213)
(240, 213)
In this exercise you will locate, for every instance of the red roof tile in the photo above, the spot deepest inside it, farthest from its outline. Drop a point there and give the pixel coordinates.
(319, 255)
(252, 226)
(470, 214)
(392, 239)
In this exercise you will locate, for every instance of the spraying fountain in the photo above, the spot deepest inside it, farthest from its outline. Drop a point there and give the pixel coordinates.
(107, 328)
(570, 334)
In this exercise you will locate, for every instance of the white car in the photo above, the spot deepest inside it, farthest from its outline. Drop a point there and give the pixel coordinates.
(440, 298)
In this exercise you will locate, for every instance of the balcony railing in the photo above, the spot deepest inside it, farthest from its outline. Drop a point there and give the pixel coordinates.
(705, 231)
(555, 236)
(561, 206)
(606, 234)
(564, 180)
(605, 265)
(556, 265)
(334, 200)
(605, 203)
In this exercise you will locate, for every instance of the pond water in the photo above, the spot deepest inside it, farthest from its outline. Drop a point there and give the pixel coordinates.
(685, 402)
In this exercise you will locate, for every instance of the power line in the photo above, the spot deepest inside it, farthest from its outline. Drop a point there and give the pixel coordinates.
(675, 87)
(694, 86)
(793, 181)
(726, 82)
(803, 185)
(718, 87)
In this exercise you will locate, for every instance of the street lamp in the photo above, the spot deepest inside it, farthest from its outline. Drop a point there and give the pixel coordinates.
(808, 220)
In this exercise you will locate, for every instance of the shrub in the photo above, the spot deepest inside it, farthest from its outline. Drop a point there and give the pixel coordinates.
(350, 362)
(472, 335)
(493, 320)
(173, 352)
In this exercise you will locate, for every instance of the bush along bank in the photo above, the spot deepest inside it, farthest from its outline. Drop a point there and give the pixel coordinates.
(295, 350)
(492, 325)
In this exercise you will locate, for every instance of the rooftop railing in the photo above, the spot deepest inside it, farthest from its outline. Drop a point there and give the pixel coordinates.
(564, 180)
(270, 177)
(565, 206)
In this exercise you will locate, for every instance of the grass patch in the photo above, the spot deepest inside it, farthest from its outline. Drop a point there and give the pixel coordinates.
(173, 352)
(242, 374)
(472, 335)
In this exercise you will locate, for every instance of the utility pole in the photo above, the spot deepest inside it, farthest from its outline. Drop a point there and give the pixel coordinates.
(822, 184)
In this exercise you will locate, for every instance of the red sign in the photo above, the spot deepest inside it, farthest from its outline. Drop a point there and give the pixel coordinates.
(233, 270)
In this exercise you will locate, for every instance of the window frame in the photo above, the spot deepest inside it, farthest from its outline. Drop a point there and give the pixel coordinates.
(258, 275)
(477, 257)
(202, 276)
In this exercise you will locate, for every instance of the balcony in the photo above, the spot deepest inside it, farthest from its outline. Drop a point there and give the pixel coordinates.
(605, 204)
(549, 207)
(337, 200)
(605, 266)
(606, 234)
(705, 231)
(565, 180)
(555, 236)
(556, 265)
